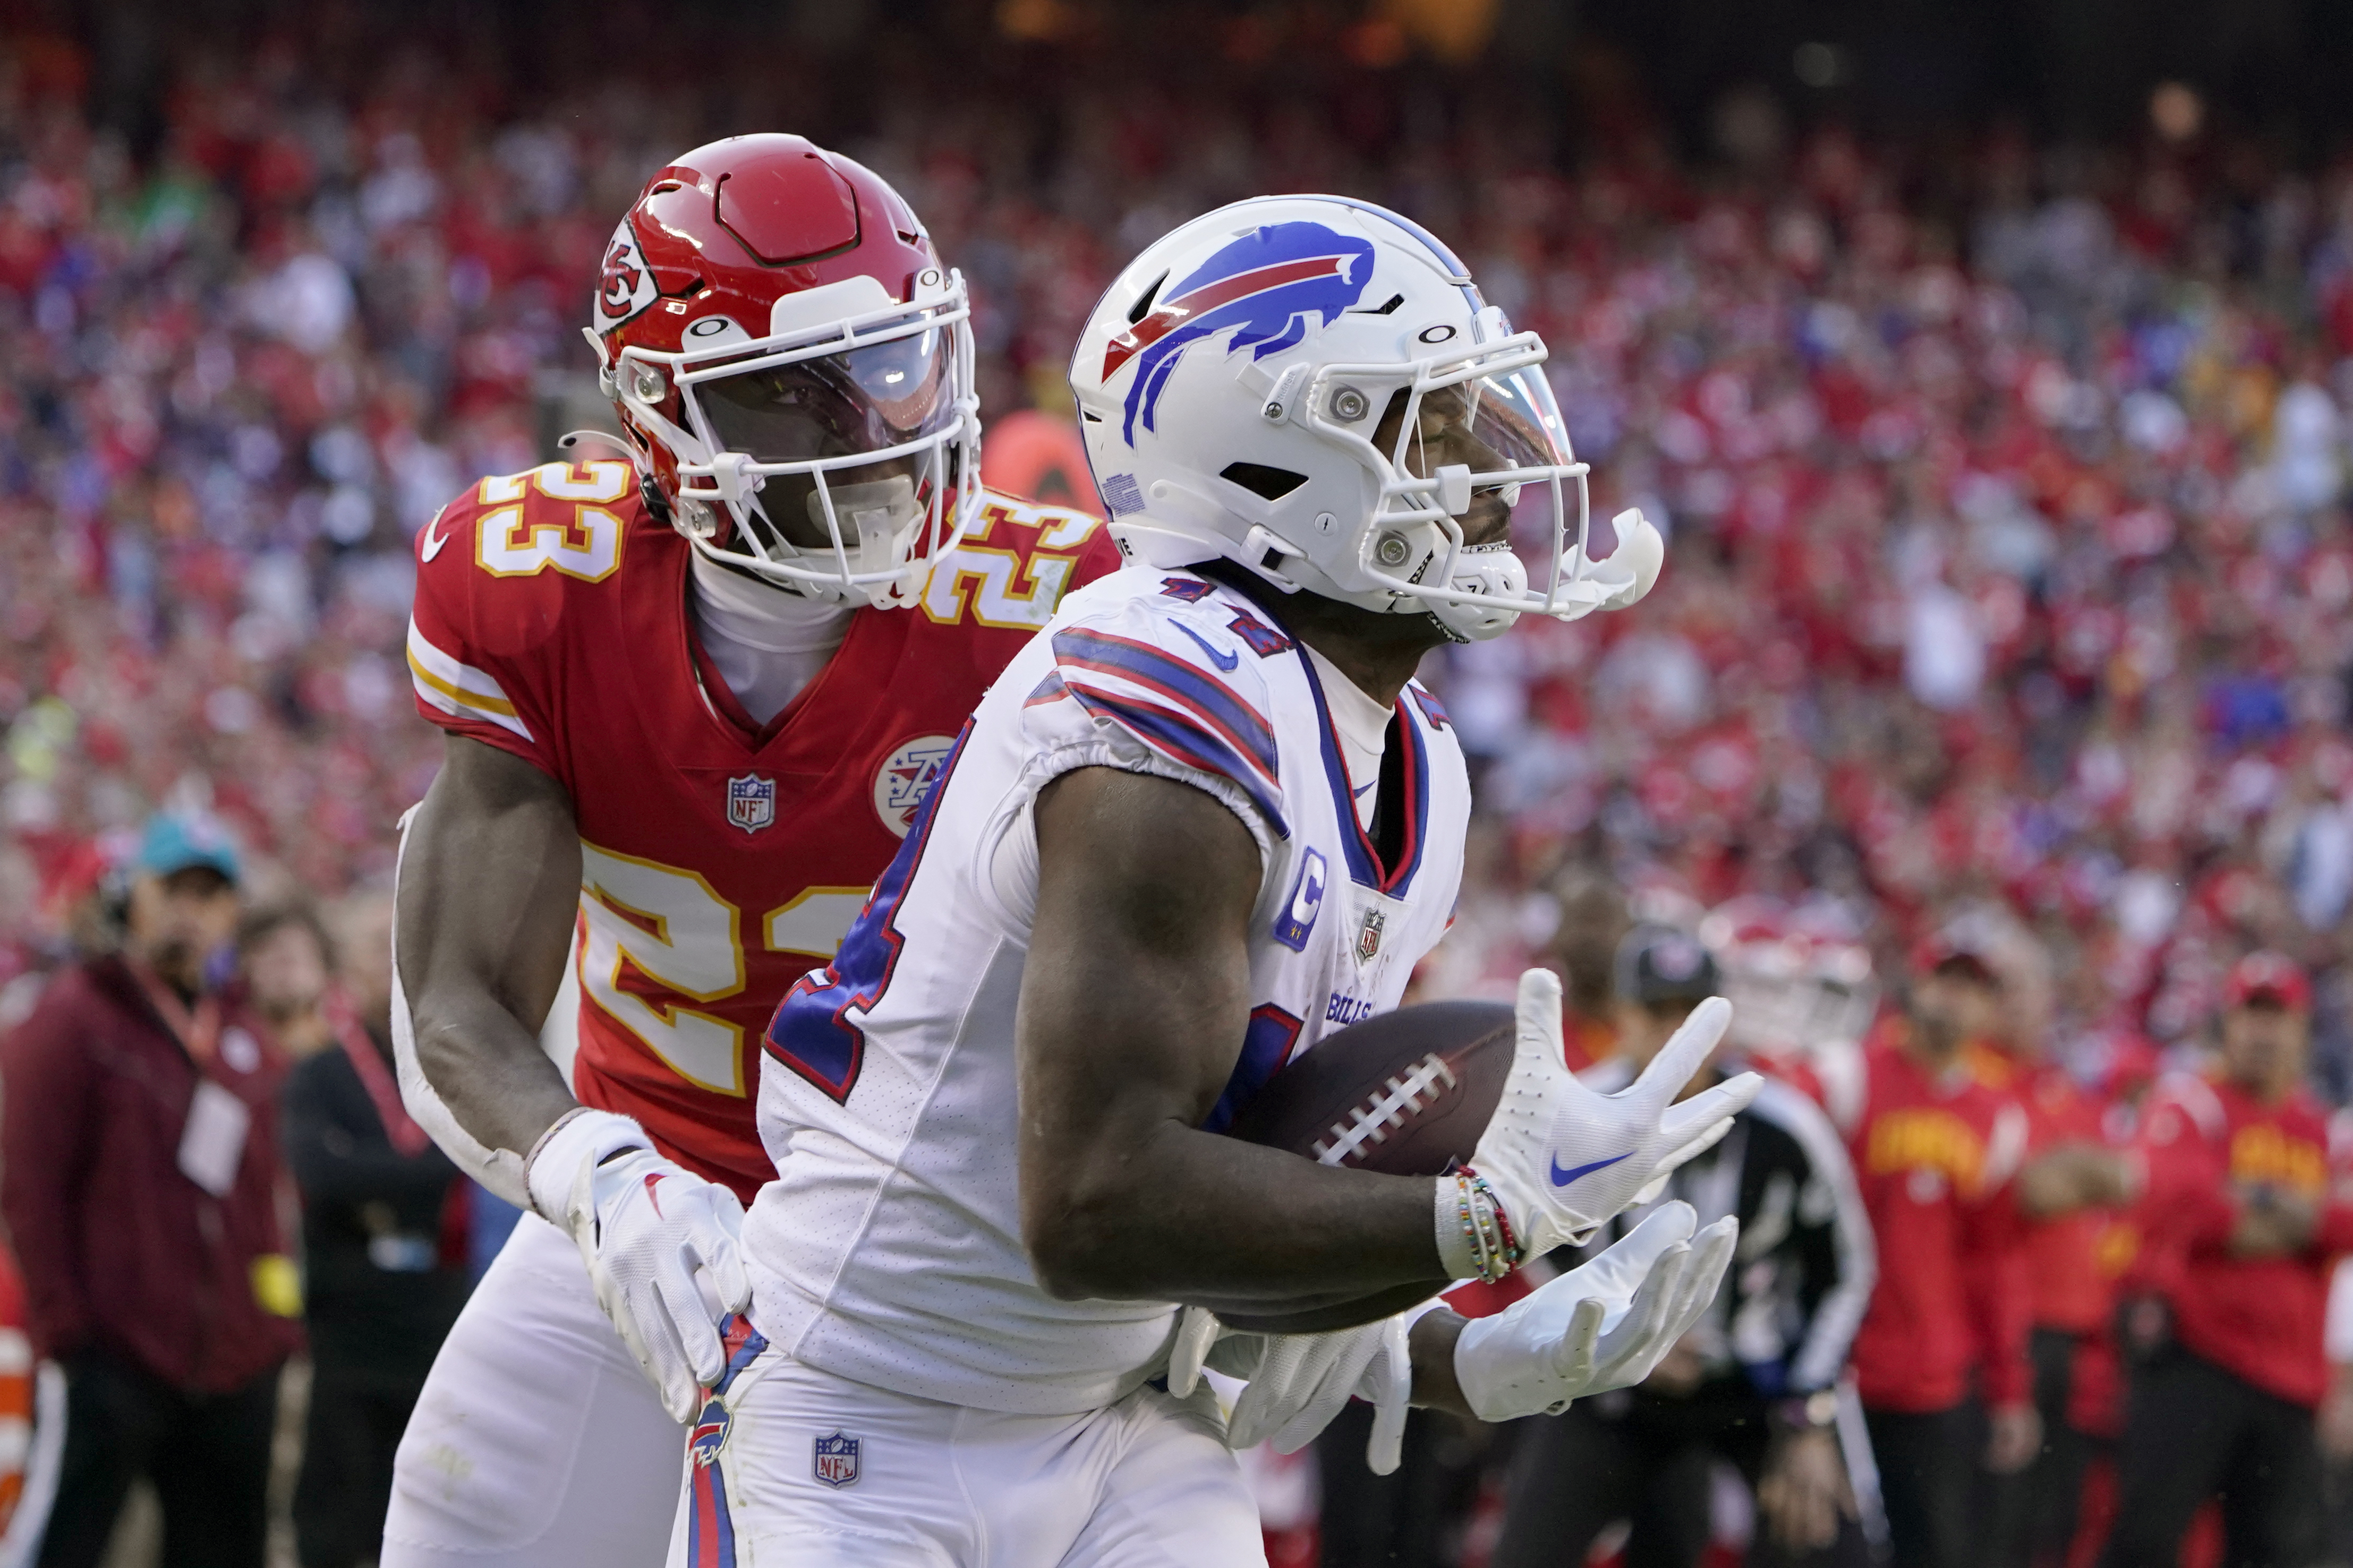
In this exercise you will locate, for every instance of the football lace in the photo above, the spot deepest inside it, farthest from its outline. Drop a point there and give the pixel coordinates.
(1371, 1122)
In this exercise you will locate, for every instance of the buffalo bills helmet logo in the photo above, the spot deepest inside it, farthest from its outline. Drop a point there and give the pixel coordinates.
(1266, 284)
(709, 1433)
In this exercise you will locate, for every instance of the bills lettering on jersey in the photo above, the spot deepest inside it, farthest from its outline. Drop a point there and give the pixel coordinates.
(835, 1461)
(906, 779)
(751, 801)
(720, 858)
(1345, 1009)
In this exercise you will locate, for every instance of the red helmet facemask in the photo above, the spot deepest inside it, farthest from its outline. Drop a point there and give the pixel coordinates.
(794, 369)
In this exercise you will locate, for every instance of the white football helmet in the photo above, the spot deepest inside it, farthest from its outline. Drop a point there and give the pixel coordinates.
(1799, 976)
(1312, 387)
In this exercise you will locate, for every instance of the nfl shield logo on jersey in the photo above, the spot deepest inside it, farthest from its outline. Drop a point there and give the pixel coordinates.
(751, 801)
(906, 778)
(1368, 935)
(836, 1460)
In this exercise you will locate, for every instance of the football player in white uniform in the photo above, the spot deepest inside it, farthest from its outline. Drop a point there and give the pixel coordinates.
(1203, 818)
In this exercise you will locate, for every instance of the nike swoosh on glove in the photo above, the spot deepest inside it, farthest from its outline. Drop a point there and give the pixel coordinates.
(1600, 1327)
(647, 1227)
(1562, 1159)
(1297, 1382)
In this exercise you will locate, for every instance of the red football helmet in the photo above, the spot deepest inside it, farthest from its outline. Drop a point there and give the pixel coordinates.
(794, 368)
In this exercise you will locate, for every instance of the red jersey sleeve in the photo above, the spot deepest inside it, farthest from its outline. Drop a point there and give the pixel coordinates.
(496, 572)
(1099, 557)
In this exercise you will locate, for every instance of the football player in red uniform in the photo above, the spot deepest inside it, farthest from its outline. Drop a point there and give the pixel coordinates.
(694, 692)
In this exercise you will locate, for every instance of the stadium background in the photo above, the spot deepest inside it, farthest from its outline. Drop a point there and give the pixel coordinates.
(1989, 363)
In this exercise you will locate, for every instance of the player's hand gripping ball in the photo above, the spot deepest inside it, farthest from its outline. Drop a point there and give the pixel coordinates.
(1404, 1093)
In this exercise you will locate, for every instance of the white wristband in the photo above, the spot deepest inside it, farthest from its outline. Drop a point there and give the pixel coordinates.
(1456, 1254)
(579, 1139)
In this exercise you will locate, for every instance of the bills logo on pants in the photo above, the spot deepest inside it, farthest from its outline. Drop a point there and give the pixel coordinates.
(710, 1532)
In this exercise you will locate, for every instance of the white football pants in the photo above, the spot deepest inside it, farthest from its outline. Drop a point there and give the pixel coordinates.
(788, 1467)
(538, 1442)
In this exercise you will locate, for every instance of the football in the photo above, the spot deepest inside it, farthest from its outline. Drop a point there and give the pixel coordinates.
(1404, 1093)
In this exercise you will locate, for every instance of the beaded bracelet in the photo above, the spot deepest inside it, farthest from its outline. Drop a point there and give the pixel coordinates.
(1494, 1247)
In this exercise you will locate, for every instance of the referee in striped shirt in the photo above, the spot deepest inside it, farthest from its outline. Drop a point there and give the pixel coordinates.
(1754, 1382)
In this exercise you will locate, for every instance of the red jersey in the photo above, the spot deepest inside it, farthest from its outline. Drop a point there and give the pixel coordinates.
(2209, 1141)
(720, 858)
(2067, 1286)
(1934, 1154)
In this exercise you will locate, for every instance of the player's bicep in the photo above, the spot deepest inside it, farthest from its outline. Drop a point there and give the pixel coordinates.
(1135, 995)
(489, 879)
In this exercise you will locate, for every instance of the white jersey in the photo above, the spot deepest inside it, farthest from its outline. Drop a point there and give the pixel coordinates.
(889, 1249)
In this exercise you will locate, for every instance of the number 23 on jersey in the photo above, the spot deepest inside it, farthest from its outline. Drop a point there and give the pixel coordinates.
(668, 926)
(576, 534)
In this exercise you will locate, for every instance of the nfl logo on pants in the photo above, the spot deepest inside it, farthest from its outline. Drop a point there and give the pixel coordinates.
(837, 1459)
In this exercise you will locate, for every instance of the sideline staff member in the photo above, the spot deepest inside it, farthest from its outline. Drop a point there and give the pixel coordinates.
(2239, 1226)
(139, 1146)
(1752, 1382)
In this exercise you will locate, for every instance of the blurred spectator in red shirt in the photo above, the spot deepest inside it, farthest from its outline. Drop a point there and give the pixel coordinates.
(2247, 1201)
(141, 1186)
(2069, 1192)
(1940, 1361)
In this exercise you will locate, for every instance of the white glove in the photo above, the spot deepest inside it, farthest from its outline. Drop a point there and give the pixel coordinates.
(647, 1228)
(1562, 1159)
(1297, 1382)
(1600, 1327)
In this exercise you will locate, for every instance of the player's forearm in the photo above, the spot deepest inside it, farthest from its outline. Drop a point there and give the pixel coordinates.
(1431, 1343)
(489, 1071)
(1173, 1213)
(488, 884)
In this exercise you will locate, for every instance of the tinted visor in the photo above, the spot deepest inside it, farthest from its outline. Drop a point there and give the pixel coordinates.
(1494, 424)
(862, 400)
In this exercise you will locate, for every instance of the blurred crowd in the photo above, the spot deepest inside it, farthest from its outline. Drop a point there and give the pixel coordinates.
(2009, 567)
(2003, 484)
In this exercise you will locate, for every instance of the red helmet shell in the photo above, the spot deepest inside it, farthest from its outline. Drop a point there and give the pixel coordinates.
(728, 229)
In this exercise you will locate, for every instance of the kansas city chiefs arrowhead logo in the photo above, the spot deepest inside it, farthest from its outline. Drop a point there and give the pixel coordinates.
(626, 286)
(621, 277)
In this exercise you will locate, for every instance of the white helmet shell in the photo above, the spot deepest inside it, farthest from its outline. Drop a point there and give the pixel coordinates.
(1312, 387)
